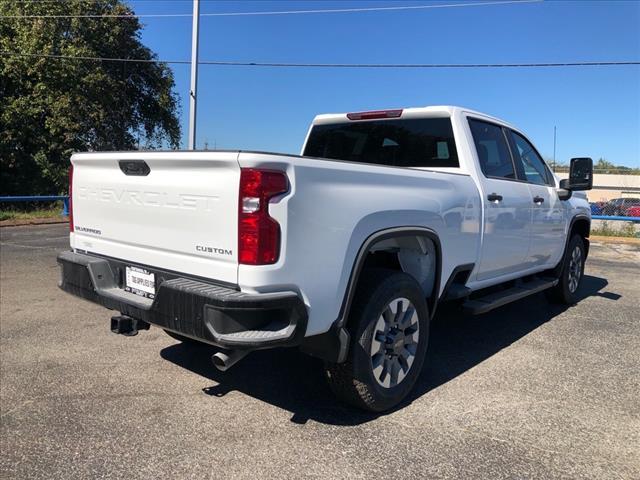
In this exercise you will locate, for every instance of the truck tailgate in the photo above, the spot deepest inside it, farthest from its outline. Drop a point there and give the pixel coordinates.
(181, 216)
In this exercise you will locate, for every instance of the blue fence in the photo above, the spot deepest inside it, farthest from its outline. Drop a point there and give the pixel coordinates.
(615, 217)
(41, 198)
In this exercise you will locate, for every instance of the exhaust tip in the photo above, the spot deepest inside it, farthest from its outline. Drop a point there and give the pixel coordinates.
(220, 361)
(224, 361)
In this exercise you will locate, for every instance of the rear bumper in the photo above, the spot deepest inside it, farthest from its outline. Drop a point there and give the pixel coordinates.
(218, 315)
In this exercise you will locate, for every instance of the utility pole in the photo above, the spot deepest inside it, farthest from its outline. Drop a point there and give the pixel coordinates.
(194, 75)
(554, 148)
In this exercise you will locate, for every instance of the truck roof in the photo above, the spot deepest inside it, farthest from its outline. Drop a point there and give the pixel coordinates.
(410, 112)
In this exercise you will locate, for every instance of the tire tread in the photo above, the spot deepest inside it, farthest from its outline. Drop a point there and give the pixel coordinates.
(560, 294)
(341, 376)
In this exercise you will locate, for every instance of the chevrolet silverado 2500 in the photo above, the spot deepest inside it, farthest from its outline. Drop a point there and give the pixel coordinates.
(344, 251)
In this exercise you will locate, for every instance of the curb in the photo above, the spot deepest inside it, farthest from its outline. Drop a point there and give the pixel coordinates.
(625, 240)
(32, 221)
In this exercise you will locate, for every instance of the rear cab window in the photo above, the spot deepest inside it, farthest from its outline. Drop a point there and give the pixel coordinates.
(414, 142)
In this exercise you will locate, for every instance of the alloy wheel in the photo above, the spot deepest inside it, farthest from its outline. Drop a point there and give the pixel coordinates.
(395, 342)
(575, 269)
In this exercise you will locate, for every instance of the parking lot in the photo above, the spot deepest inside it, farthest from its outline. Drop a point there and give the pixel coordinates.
(528, 391)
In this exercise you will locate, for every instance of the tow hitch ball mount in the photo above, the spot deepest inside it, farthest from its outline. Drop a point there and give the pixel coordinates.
(127, 326)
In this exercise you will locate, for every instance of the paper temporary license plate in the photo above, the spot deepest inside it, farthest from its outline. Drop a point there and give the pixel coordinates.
(140, 281)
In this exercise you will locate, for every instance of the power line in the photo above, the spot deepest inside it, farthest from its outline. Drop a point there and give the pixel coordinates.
(417, 65)
(285, 12)
(330, 65)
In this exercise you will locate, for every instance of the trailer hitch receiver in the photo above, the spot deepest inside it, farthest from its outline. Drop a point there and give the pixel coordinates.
(127, 326)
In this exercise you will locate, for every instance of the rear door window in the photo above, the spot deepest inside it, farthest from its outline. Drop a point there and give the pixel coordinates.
(493, 151)
(424, 142)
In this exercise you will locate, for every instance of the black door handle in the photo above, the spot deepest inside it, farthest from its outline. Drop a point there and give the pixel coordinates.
(494, 197)
(538, 199)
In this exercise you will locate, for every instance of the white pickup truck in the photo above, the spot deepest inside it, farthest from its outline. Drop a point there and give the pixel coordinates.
(344, 251)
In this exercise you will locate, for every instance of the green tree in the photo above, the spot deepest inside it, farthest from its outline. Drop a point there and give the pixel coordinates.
(50, 108)
(603, 164)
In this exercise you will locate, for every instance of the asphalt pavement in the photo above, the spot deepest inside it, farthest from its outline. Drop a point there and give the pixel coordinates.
(528, 391)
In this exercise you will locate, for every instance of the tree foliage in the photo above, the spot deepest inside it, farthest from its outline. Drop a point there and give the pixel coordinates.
(601, 166)
(50, 108)
(605, 166)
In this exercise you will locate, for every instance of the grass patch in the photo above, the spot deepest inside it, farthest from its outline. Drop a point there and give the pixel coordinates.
(605, 230)
(52, 211)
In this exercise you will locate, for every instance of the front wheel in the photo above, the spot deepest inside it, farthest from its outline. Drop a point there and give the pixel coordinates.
(565, 292)
(389, 327)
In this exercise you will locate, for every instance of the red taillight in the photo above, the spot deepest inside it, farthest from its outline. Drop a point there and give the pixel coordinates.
(71, 198)
(374, 114)
(258, 233)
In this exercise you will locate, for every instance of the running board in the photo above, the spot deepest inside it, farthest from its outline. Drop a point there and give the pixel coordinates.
(498, 299)
(457, 291)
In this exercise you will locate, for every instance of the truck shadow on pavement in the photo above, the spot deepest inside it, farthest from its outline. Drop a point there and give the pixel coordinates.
(293, 381)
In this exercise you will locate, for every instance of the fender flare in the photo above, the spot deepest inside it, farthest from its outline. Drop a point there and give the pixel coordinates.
(370, 241)
(333, 345)
(574, 219)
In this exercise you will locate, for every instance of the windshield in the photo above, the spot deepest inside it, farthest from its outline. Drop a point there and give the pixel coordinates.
(424, 142)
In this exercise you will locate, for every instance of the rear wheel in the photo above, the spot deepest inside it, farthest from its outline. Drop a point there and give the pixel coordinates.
(565, 292)
(389, 327)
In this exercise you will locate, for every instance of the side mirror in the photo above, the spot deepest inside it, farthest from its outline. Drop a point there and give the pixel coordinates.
(564, 193)
(580, 175)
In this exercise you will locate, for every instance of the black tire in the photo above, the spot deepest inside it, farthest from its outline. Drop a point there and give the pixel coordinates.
(565, 292)
(354, 381)
(182, 338)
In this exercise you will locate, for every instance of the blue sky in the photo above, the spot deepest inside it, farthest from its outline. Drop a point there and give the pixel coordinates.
(596, 109)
